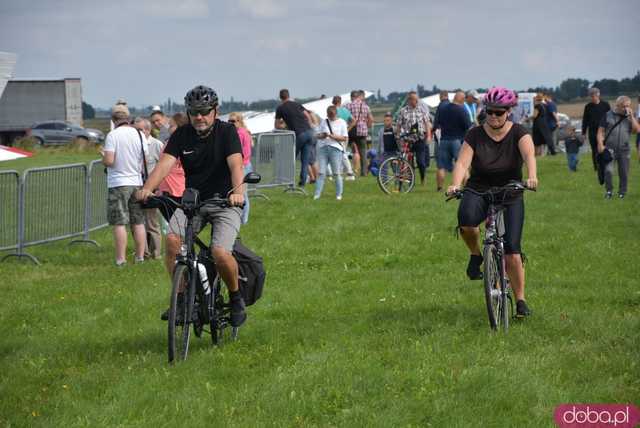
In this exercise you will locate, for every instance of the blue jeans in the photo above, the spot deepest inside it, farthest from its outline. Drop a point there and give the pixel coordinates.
(326, 155)
(245, 211)
(572, 159)
(304, 143)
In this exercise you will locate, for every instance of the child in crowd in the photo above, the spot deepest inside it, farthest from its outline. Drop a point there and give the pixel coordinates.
(572, 145)
(387, 142)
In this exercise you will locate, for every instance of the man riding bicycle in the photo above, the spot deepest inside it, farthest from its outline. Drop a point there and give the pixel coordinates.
(211, 155)
(495, 151)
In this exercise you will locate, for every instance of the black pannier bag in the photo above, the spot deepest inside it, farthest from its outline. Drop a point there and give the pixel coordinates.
(251, 274)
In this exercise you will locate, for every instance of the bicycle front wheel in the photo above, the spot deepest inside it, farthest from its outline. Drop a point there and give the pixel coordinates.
(491, 276)
(396, 176)
(179, 326)
(215, 311)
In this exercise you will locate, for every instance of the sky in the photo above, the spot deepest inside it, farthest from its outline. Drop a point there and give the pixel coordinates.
(146, 51)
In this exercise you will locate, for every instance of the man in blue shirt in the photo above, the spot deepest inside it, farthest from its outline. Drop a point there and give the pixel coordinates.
(453, 121)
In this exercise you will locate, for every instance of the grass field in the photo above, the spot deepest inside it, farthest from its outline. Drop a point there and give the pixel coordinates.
(367, 320)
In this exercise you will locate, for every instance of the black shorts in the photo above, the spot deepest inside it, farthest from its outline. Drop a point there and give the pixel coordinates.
(473, 210)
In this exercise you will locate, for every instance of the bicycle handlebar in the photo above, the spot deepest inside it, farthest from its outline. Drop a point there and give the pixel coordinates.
(162, 201)
(515, 186)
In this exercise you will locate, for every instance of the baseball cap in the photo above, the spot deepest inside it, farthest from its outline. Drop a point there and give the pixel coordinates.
(473, 93)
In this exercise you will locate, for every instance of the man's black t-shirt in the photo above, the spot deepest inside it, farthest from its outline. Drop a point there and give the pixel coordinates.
(205, 160)
(293, 115)
(593, 114)
(494, 164)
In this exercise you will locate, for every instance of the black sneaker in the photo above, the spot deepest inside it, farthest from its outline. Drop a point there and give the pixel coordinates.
(238, 314)
(473, 267)
(621, 195)
(608, 195)
(522, 310)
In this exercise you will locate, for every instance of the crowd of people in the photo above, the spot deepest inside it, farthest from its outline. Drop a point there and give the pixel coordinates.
(481, 142)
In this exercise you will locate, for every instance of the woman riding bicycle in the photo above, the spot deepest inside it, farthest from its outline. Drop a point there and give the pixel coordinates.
(495, 151)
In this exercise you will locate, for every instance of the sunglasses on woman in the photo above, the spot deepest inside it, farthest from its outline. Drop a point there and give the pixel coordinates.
(231, 121)
(498, 113)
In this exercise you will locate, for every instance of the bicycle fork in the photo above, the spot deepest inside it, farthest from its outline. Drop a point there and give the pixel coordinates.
(505, 296)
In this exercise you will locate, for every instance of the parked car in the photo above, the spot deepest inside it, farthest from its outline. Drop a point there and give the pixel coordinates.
(59, 132)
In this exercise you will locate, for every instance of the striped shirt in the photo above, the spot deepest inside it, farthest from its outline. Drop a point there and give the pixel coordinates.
(360, 112)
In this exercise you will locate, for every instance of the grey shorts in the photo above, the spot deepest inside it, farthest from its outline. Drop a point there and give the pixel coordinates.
(225, 224)
(122, 207)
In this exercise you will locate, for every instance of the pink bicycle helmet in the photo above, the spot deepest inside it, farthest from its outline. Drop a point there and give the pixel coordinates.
(500, 97)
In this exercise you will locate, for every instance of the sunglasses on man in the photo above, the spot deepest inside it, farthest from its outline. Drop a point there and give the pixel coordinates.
(196, 111)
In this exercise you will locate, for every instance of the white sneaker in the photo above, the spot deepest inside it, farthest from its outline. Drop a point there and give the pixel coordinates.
(316, 197)
(351, 178)
(339, 197)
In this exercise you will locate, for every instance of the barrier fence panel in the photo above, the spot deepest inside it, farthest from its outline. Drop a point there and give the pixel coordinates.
(97, 196)
(54, 203)
(275, 159)
(9, 205)
(49, 204)
(375, 130)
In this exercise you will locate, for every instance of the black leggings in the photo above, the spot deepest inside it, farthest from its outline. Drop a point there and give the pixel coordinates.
(473, 210)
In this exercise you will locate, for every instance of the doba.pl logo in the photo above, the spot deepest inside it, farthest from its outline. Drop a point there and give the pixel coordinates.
(597, 415)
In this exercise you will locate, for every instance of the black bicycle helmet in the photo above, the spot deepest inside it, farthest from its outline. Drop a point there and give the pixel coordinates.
(201, 97)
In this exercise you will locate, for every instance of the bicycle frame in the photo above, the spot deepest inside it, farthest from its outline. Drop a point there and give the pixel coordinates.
(495, 236)
(190, 260)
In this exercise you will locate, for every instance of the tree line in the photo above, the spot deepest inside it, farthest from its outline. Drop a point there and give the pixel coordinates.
(569, 89)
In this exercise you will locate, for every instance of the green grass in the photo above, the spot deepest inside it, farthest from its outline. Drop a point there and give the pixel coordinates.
(366, 320)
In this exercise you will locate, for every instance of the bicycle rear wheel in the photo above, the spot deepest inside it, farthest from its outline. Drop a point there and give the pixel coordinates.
(179, 328)
(396, 176)
(491, 276)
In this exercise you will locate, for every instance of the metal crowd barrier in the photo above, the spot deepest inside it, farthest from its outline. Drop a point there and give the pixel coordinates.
(97, 192)
(274, 158)
(9, 207)
(50, 204)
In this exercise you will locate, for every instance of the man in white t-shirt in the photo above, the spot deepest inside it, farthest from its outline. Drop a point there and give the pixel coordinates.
(123, 157)
(332, 134)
